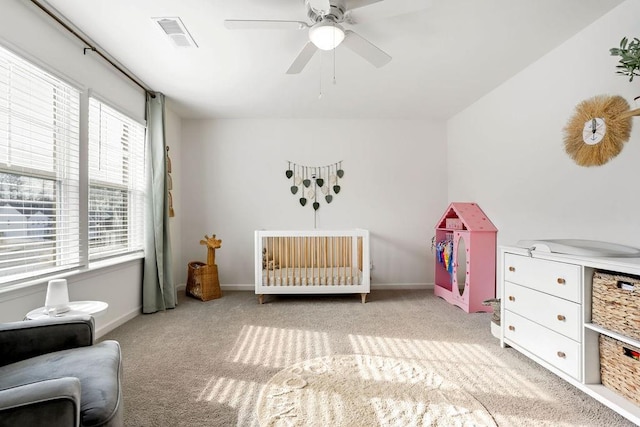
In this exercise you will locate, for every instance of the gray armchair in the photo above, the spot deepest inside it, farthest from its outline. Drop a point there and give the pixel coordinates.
(52, 374)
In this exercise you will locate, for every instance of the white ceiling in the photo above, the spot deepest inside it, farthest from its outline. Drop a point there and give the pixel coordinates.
(445, 56)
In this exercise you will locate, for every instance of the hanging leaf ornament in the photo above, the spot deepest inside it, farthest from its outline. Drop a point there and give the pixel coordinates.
(289, 172)
(328, 197)
(339, 174)
(316, 205)
(303, 201)
(306, 181)
(311, 193)
(296, 181)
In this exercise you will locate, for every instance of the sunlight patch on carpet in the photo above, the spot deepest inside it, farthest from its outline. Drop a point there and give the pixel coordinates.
(277, 347)
(462, 360)
(234, 393)
(356, 389)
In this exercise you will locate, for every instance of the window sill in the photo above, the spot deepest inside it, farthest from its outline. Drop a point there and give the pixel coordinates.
(95, 268)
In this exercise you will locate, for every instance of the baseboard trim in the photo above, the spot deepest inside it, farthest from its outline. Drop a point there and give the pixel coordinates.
(102, 331)
(405, 286)
(376, 286)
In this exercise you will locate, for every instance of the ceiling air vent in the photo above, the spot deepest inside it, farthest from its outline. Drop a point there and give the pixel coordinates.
(177, 32)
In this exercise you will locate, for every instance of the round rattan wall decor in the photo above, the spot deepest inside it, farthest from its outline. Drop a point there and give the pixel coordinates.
(598, 130)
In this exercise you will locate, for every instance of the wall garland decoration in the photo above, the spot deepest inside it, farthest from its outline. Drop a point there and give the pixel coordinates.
(309, 181)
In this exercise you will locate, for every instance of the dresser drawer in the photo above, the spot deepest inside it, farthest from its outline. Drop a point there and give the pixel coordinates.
(557, 314)
(553, 348)
(554, 278)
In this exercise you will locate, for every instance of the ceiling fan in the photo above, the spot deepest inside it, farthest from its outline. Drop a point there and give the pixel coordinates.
(326, 30)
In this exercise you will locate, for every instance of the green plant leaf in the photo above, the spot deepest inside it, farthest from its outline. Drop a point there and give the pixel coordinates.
(629, 53)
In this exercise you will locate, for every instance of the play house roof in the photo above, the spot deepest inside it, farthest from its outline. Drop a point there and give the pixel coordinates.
(471, 216)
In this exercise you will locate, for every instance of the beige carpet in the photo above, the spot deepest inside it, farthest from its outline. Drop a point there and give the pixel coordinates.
(363, 390)
(208, 363)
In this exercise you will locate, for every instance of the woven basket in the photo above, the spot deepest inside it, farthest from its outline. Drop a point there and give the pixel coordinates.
(616, 303)
(202, 281)
(620, 368)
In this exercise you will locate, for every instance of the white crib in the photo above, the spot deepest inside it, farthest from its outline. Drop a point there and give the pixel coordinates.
(312, 262)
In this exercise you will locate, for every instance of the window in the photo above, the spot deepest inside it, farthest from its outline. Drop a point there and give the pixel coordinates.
(116, 182)
(41, 230)
(39, 177)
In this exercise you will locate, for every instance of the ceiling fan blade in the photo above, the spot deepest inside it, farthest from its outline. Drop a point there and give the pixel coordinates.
(354, 4)
(387, 9)
(302, 59)
(366, 49)
(264, 24)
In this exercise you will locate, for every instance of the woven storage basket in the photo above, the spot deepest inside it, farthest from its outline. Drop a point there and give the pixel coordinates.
(620, 367)
(202, 281)
(616, 303)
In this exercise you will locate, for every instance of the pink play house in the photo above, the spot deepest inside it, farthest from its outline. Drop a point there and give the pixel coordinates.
(465, 265)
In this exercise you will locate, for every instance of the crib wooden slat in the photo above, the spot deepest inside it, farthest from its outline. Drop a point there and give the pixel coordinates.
(272, 252)
(306, 276)
(351, 257)
(300, 250)
(274, 248)
(280, 257)
(332, 260)
(266, 241)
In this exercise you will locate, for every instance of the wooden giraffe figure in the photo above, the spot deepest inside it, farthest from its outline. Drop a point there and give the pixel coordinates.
(212, 244)
(202, 279)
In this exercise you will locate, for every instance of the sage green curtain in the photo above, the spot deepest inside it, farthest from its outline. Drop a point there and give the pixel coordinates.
(158, 289)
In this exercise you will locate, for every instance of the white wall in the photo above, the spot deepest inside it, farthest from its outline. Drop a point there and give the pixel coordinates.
(506, 151)
(30, 33)
(233, 182)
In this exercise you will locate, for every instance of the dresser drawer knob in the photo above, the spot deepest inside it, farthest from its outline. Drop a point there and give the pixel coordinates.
(561, 318)
(561, 354)
(512, 298)
(512, 328)
(511, 268)
(561, 281)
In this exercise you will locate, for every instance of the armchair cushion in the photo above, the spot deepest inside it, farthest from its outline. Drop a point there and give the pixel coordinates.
(38, 404)
(22, 340)
(95, 368)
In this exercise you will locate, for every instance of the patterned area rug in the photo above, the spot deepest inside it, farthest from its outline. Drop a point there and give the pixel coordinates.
(361, 390)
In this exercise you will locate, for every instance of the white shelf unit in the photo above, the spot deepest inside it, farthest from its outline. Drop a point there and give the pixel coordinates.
(560, 280)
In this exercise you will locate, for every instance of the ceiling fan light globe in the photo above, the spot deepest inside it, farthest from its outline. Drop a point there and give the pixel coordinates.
(326, 35)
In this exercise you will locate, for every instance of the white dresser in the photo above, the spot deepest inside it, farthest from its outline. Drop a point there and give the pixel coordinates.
(546, 315)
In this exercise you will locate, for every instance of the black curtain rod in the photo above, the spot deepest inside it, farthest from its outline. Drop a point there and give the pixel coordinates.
(91, 47)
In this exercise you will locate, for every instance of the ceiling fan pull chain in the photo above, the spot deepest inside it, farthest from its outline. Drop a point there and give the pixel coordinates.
(321, 60)
(334, 63)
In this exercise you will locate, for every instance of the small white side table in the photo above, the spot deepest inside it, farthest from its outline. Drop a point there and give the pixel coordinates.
(94, 308)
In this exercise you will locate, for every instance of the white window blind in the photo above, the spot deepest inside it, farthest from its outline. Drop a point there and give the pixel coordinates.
(116, 182)
(39, 191)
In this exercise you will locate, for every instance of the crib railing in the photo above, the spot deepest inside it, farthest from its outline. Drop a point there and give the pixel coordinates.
(315, 261)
